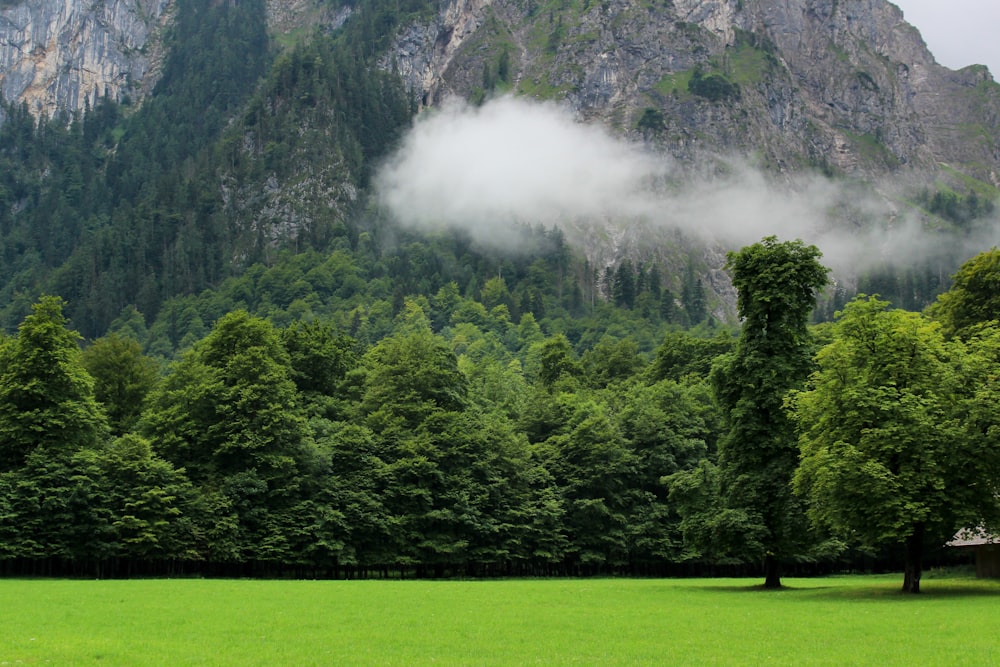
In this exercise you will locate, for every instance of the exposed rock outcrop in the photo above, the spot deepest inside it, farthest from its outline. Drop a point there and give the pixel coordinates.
(60, 54)
(845, 85)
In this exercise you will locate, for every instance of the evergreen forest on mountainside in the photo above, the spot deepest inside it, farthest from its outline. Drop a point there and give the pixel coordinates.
(184, 392)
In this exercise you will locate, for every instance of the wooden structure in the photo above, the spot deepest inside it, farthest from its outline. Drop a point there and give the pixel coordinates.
(985, 546)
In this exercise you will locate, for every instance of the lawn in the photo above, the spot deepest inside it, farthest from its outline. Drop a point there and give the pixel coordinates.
(828, 621)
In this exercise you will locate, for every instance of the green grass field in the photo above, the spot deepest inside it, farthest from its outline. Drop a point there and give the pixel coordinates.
(828, 621)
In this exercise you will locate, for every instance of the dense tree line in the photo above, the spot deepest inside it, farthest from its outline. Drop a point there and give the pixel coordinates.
(492, 450)
(485, 447)
(363, 288)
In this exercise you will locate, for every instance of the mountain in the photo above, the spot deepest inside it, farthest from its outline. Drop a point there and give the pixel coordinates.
(209, 136)
(64, 55)
(843, 85)
(848, 86)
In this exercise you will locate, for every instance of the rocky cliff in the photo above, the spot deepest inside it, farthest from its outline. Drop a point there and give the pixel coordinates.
(60, 54)
(844, 85)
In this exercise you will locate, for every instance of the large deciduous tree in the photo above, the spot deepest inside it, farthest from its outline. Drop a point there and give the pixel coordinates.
(897, 432)
(228, 413)
(230, 404)
(776, 284)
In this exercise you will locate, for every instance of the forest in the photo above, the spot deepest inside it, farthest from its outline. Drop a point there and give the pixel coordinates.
(481, 447)
(184, 391)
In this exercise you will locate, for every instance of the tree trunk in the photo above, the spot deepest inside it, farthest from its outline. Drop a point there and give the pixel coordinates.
(914, 560)
(772, 571)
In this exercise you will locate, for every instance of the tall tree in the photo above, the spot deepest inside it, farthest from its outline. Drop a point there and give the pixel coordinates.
(776, 284)
(592, 469)
(228, 413)
(693, 296)
(623, 287)
(148, 505)
(46, 395)
(414, 399)
(897, 433)
(667, 429)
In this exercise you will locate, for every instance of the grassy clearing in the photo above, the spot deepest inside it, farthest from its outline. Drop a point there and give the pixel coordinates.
(831, 621)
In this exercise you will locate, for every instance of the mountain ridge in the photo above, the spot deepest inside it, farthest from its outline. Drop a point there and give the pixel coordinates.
(266, 121)
(847, 86)
(841, 85)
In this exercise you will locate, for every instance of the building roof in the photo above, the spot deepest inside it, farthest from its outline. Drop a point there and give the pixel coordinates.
(973, 537)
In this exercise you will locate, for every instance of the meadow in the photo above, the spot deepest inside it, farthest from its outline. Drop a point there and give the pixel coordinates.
(849, 620)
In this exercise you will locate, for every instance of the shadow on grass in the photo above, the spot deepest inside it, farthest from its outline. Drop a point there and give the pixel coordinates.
(760, 589)
(927, 592)
(930, 590)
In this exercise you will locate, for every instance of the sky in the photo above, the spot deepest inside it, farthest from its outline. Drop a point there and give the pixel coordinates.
(958, 32)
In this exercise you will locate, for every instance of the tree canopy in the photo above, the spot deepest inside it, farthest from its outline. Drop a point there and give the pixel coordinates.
(46, 395)
(890, 450)
(974, 297)
(777, 283)
(434, 436)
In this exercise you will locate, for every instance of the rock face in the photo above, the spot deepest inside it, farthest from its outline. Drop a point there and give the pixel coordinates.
(844, 85)
(60, 54)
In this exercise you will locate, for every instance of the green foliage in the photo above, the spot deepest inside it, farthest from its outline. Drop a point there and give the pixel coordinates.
(47, 400)
(123, 376)
(227, 413)
(714, 87)
(319, 357)
(954, 207)
(886, 455)
(485, 448)
(409, 377)
(777, 285)
(752, 60)
(710, 530)
(591, 467)
(229, 405)
(651, 122)
(612, 361)
(974, 297)
(151, 507)
(556, 361)
(911, 287)
(683, 354)
(667, 428)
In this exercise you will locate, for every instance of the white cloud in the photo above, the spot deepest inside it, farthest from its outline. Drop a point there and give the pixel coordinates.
(511, 161)
(514, 161)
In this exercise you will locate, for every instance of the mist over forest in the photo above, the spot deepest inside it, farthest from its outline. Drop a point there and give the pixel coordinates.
(487, 169)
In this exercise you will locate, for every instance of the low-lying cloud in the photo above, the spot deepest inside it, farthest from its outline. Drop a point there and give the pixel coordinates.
(491, 169)
(485, 169)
